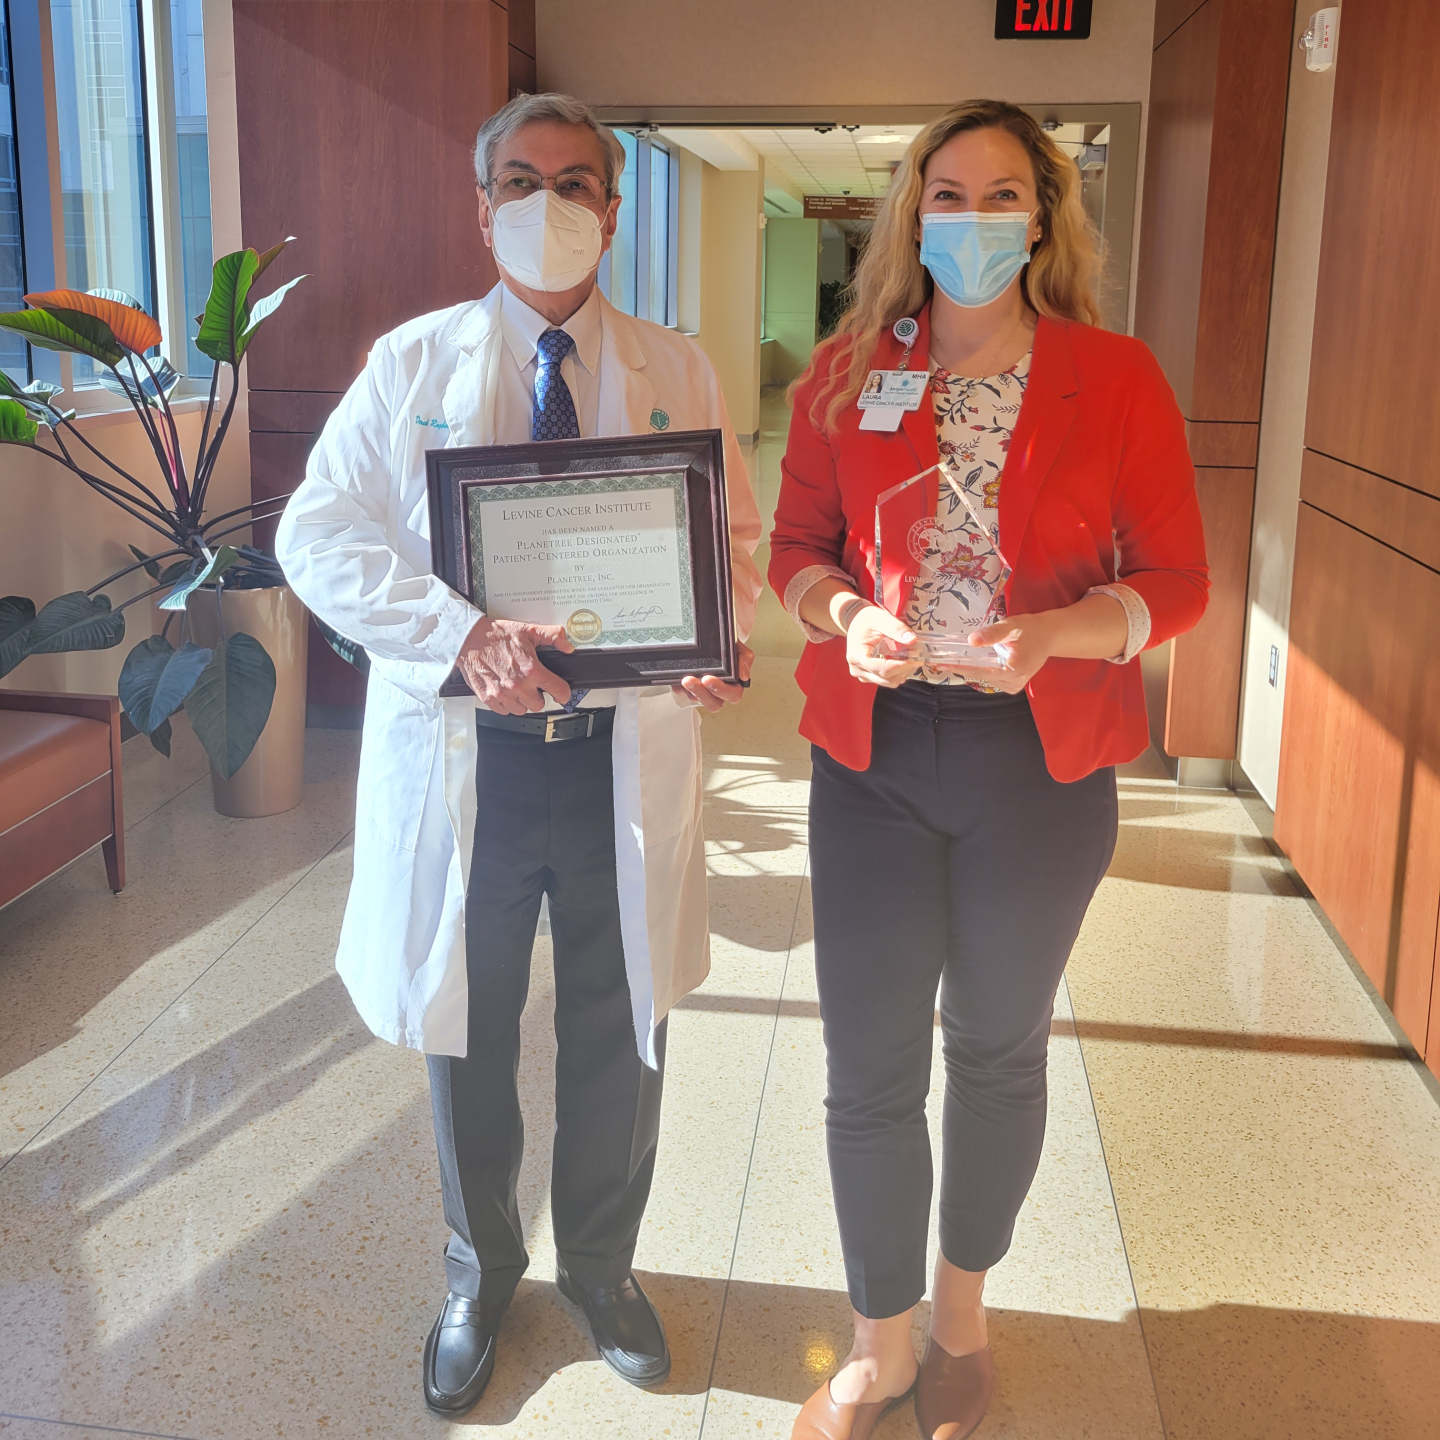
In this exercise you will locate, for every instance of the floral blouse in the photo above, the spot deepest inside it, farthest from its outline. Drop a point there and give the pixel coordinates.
(961, 573)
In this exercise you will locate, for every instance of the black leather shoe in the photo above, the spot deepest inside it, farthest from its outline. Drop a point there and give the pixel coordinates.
(627, 1330)
(459, 1355)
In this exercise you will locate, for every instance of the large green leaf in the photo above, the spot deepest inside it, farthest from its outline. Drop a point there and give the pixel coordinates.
(16, 614)
(152, 567)
(140, 387)
(120, 297)
(263, 263)
(227, 324)
(43, 392)
(69, 331)
(123, 319)
(263, 309)
(160, 738)
(16, 426)
(231, 700)
(37, 398)
(156, 678)
(139, 676)
(219, 563)
(76, 621)
(225, 317)
(183, 670)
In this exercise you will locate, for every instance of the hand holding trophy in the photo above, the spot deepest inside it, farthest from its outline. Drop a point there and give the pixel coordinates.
(904, 516)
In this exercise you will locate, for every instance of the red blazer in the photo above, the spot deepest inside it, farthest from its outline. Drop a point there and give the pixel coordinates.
(1098, 464)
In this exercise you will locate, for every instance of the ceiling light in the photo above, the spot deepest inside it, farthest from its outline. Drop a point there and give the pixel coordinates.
(883, 140)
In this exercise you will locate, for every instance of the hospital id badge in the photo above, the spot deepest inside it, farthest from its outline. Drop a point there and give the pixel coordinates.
(887, 395)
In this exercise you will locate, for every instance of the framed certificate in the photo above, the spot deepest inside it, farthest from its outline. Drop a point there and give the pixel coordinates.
(623, 540)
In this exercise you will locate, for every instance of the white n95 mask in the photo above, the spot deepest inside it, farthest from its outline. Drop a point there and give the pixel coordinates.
(546, 242)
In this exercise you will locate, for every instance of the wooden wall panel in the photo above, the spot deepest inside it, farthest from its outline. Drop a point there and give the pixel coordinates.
(1177, 188)
(1432, 1046)
(1246, 145)
(1223, 443)
(522, 48)
(1358, 809)
(1374, 381)
(1405, 520)
(1212, 186)
(1358, 801)
(357, 119)
(522, 26)
(1204, 700)
(1170, 15)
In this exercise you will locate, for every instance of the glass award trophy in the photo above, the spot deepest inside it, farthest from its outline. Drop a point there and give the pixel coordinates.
(905, 530)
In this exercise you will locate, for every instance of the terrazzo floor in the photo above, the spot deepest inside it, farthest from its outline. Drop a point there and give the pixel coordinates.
(220, 1215)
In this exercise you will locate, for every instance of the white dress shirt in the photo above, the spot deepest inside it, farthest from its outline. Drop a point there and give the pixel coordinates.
(521, 329)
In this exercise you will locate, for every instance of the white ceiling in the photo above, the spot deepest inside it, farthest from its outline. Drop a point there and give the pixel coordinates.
(840, 161)
(855, 162)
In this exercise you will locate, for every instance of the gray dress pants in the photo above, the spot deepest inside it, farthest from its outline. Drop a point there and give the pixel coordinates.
(545, 825)
(955, 863)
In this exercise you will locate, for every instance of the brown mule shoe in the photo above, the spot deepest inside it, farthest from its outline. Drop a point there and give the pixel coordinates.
(823, 1418)
(953, 1392)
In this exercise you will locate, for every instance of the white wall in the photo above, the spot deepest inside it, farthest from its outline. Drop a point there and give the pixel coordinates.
(60, 535)
(1282, 415)
(732, 202)
(846, 52)
(692, 188)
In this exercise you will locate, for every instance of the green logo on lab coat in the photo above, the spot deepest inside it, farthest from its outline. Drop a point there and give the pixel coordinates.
(659, 420)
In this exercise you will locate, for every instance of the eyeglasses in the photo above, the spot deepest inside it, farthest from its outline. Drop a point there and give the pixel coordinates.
(581, 186)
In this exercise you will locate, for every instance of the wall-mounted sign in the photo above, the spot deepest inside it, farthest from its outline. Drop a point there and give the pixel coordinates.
(1042, 19)
(842, 207)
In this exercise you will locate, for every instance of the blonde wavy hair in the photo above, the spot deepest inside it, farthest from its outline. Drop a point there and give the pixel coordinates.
(1059, 282)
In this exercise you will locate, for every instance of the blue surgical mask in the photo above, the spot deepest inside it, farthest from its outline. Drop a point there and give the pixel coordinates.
(973, 256)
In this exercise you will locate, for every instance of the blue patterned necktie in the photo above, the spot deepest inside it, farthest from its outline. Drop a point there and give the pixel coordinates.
(555, 417)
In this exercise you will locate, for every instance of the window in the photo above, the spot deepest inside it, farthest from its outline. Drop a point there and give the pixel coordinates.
(104, 177)
(192, 171)
(659, 234)
(130, 150)
(12, 254)
(621, 291)
(640, 274)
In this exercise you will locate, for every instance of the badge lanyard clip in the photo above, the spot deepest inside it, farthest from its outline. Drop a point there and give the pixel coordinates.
(906, 330)
(888, 394)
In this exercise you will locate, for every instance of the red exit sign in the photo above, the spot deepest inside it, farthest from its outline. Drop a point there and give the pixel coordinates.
(1042, 19)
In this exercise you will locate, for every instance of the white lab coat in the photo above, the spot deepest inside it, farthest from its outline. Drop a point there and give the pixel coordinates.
(354, 543)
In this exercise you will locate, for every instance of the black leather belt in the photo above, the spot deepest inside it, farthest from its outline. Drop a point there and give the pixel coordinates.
(552, 725)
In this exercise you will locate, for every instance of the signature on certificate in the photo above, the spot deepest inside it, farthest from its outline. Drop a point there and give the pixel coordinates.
(639, 615)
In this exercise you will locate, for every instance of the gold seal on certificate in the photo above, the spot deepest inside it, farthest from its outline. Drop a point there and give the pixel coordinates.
(584, 627)
(623, 542)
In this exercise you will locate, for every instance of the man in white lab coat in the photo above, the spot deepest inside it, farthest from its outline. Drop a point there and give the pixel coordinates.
(470, 810)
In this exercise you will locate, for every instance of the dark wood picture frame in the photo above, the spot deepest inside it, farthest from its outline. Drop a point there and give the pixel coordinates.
(699, 455)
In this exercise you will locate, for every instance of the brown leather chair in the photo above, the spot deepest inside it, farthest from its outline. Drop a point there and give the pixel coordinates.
(59, 786)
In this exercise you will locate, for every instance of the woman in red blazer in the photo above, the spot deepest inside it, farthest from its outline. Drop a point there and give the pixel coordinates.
(965, 729)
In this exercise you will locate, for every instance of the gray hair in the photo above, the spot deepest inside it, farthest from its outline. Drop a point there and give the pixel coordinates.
(524, 110)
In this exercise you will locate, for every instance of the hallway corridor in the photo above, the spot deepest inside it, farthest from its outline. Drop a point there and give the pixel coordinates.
(219, 1212)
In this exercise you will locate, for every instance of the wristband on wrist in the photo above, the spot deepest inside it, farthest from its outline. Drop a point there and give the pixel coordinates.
(848, 611)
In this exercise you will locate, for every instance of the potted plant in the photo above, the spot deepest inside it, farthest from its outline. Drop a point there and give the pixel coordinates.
(221, 671)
